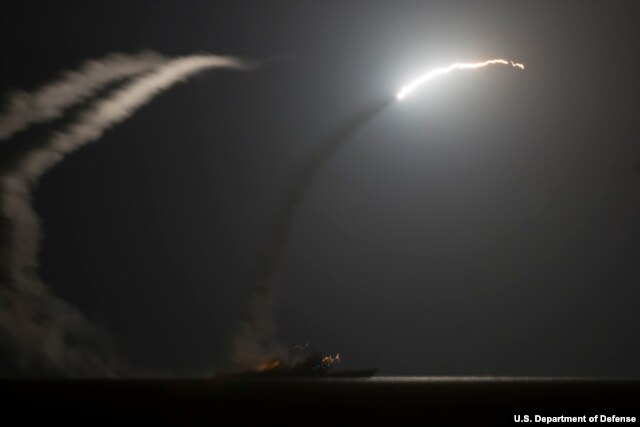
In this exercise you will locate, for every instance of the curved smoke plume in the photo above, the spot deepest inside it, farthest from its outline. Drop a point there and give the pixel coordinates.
(42, 328)
(52, 100)
(255, 341)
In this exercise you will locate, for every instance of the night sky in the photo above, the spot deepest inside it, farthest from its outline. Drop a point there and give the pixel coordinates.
(489, 224)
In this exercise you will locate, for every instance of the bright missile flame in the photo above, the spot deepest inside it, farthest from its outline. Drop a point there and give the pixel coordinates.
(406, 90)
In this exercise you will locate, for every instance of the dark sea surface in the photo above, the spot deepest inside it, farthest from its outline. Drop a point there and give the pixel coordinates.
(388, 400)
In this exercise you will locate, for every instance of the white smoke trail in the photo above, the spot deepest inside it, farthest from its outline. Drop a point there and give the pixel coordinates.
(41, 325)
(74, 87)
(406, 90)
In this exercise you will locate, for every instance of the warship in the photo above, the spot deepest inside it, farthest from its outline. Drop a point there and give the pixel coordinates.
(314, 365)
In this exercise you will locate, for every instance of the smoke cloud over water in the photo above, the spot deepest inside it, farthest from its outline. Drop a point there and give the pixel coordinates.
(255, 341)
(42, 328)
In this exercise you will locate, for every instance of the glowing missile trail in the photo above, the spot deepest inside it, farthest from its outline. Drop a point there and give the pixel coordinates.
(406, 90)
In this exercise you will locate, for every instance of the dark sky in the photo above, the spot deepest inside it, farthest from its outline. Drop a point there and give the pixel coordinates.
(488, 224)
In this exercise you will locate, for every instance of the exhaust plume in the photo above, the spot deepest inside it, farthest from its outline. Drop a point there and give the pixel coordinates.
(73, 87)
(43, 328)
(255, 341)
